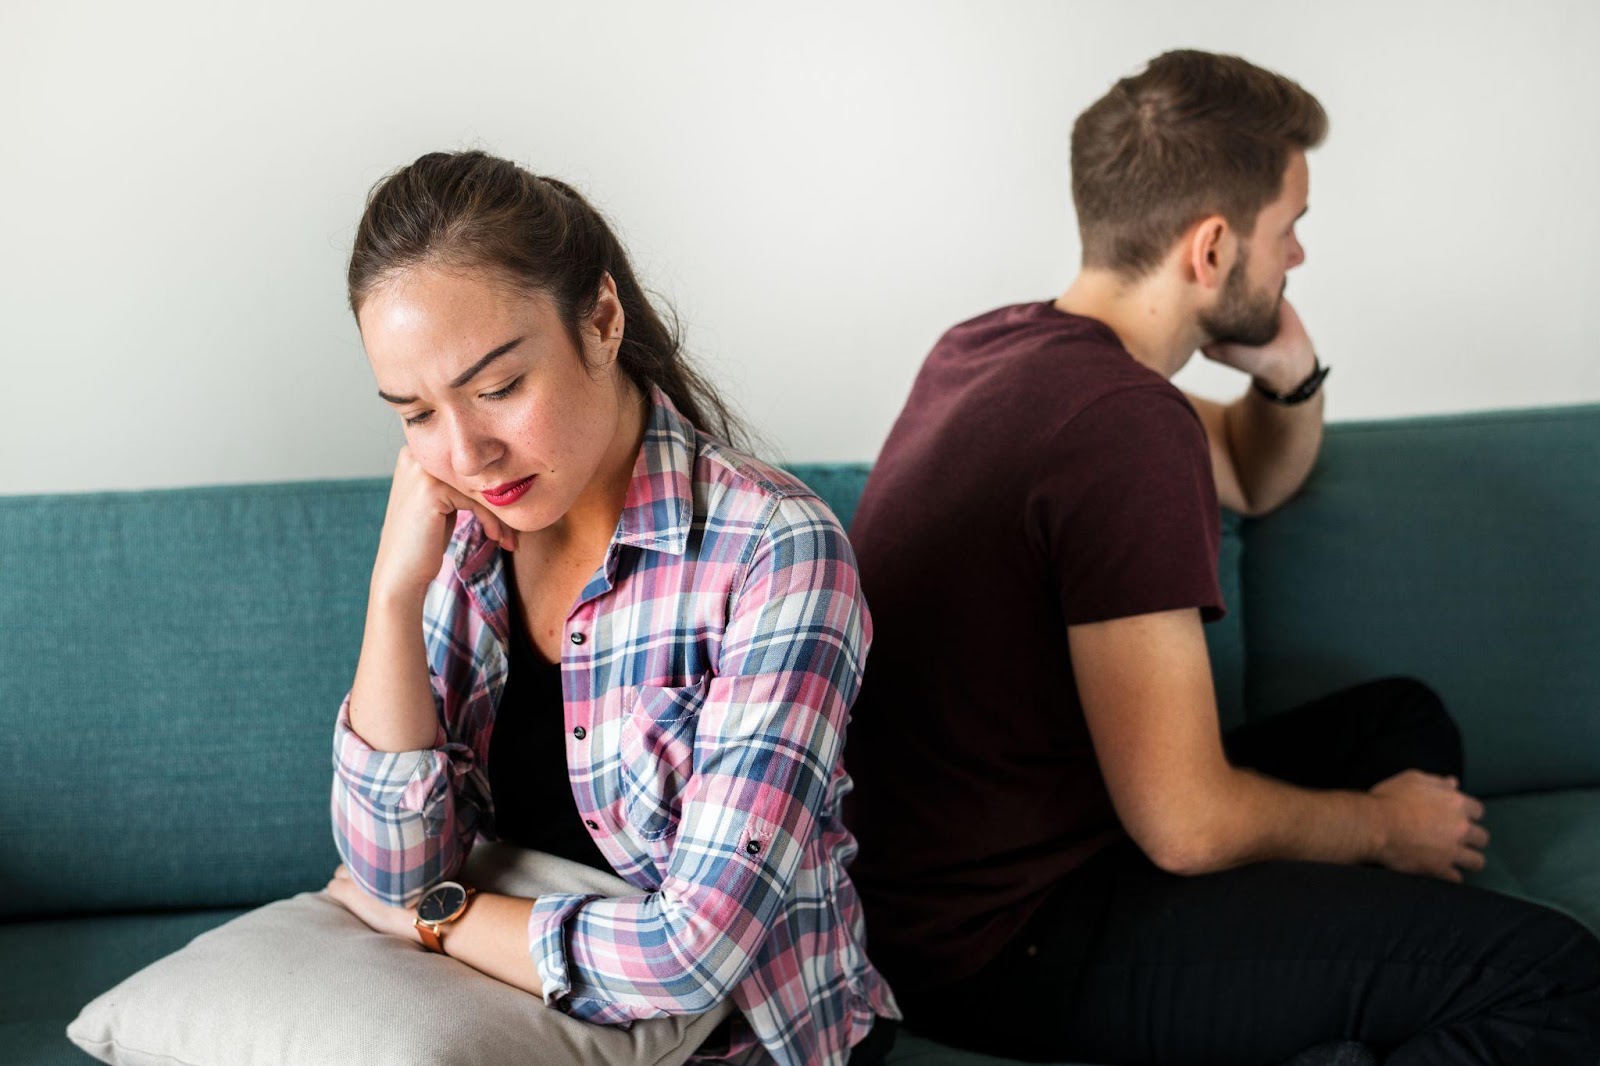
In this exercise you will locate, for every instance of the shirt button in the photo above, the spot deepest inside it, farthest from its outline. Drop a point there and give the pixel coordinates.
(580, 732)
(754, 847)
(578, 638)
(591, 823)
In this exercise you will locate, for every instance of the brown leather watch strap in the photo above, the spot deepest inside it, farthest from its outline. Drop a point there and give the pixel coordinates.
(430, 937)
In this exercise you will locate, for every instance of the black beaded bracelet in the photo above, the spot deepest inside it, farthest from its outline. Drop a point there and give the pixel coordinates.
(1301, 392)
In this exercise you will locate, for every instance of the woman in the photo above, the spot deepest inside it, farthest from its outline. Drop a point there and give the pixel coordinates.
(639, 646)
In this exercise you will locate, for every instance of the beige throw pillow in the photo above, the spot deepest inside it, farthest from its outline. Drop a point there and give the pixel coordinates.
(304, 981)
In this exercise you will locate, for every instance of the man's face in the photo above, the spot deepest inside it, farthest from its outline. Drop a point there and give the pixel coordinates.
(1247, 309)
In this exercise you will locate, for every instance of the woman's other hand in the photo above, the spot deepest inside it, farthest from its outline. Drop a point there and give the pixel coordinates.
(380, 916)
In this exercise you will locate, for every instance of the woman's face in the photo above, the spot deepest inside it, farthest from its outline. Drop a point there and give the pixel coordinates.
(495, 398)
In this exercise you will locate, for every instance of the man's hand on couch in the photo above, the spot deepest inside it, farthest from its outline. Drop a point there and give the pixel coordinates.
(1432, 826)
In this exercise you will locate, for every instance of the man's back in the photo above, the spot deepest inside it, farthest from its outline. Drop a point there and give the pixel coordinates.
(1039, 477)
(1038, 547)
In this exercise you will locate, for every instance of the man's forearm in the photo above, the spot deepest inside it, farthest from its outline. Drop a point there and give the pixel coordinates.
(1273, 446)
(1260, 818)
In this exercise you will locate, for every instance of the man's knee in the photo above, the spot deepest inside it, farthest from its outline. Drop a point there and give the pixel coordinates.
(1416, 710)
(1576, 954)
(1562, 960)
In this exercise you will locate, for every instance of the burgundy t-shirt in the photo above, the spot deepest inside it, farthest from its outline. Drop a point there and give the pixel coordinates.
(1039, 477)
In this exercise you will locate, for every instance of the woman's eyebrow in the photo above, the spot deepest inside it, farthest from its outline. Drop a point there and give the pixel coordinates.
(466, 375)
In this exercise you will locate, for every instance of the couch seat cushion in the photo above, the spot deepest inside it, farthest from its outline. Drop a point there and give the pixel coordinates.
(52, 968)
(1545, 846)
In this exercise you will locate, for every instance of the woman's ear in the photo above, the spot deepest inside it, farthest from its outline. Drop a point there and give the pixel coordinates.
(607, 320)
(1212, 245)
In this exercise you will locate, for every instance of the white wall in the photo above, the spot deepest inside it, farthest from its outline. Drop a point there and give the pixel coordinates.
(820, 190)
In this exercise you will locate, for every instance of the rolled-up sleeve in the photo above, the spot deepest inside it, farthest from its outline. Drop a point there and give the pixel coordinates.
(395, 813)
(767, 743)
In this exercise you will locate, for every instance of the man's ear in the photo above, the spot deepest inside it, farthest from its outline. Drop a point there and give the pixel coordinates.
(606, 321)
(1211, 245)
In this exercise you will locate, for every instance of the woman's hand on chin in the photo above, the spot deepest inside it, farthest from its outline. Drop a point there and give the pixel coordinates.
(417, 525)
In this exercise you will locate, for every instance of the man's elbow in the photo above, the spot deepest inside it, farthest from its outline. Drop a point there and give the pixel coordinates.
(1190, 858)
(1250, 508)
(1263, 502)
(1187, 846)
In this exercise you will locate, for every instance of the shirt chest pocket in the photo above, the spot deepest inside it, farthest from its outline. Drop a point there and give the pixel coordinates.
(657, 754)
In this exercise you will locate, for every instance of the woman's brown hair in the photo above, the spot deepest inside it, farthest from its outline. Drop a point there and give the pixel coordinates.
(1193, 134)
(475, 210)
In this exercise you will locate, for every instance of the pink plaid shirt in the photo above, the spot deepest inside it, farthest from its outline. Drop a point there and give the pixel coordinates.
(708, 677)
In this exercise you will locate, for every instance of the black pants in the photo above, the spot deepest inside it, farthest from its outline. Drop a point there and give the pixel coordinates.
(1127, 964)
(876, 1047)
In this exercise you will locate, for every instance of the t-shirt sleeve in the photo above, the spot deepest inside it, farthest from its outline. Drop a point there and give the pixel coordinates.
(1125, 510)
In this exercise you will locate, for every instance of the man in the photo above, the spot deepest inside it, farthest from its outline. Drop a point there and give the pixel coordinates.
(1061, 857)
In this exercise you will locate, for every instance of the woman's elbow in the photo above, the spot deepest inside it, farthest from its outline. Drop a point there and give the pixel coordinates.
(719, 962)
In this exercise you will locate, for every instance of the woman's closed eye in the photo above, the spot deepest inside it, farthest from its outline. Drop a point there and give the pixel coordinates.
(502, 392)
(421, 417)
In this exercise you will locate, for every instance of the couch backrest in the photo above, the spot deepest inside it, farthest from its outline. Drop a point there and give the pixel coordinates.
(1464, 551)
(173, 662)
(173, 659)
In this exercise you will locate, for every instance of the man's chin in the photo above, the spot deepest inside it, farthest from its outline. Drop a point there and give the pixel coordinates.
(1254, 332)
(1250, 336)
(1238, 320)
(1251, 340)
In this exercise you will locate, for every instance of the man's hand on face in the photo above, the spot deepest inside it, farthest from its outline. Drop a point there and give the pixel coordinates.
(1281, 364)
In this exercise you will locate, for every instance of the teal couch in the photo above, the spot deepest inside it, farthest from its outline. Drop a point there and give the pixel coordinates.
(171, 662)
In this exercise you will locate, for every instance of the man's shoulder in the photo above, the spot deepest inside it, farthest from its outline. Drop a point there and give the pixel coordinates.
(1137, 429)
(1030, 327)
(1046, 358)
(1136, 405)
(1007, 391)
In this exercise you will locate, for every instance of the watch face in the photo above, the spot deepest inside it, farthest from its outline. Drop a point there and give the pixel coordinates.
(443, 902)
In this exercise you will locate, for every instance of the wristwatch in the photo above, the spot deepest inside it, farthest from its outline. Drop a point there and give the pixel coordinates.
(445, 902)
(1301, 392)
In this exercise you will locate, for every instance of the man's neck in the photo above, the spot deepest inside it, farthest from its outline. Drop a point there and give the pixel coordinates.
(1150, 319)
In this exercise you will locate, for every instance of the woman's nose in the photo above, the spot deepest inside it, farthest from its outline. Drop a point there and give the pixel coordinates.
(471, 450)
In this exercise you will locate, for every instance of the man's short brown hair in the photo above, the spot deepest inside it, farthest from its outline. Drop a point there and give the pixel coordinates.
(1194, 134)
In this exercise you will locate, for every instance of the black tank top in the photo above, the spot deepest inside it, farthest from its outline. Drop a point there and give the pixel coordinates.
(533, 804)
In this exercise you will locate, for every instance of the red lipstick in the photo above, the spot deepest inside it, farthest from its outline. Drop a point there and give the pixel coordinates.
(510, 492)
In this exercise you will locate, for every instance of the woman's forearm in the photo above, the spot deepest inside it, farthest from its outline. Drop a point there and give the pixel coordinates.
(391, 702)
(492, 938)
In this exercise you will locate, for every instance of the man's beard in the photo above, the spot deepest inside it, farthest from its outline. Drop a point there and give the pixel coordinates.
(1240, 316)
